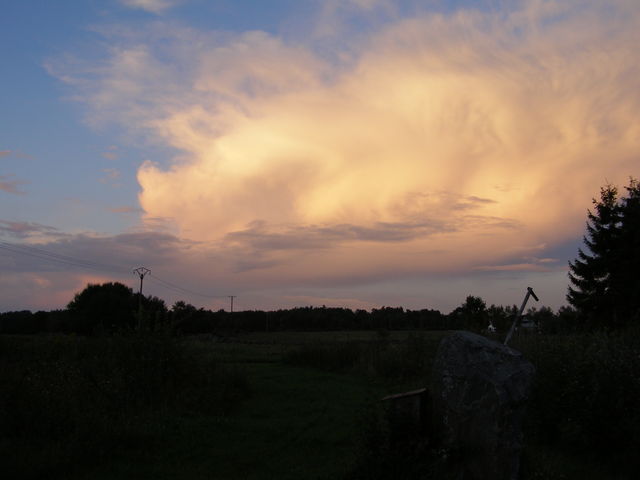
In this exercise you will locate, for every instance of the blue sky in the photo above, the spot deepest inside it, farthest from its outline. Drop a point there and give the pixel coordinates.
(357, 153)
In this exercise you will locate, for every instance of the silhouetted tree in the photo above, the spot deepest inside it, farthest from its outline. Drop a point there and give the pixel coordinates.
(109, 307)
(472, 314)
(605, 287)
(152, 314)
(501, 317)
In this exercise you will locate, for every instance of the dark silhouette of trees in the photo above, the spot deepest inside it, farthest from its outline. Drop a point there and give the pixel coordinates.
(501, 317)
(605, 287)
(472, 314)
(107, 307)
(153, 313)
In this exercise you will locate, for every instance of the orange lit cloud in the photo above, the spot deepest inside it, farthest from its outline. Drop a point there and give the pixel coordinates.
(446, 142)
(47, 290)
(10, 185)
(153, 6)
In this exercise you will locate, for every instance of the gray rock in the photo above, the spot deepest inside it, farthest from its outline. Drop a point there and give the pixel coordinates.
(480, 389)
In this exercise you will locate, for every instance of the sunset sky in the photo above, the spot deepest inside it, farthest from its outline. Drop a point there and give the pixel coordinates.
(353, 153)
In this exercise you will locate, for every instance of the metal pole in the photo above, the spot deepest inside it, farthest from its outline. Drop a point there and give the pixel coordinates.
(141, 272)
(530, 293)
(232, 297)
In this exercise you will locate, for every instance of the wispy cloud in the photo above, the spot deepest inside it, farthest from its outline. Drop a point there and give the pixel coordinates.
(125, 209)
(153, 6)
(15, 154)
(10, 185)
(111, 177)
(24, 230)
(111, 153)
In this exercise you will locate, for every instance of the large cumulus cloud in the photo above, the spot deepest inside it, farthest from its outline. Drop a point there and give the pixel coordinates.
(440, 142)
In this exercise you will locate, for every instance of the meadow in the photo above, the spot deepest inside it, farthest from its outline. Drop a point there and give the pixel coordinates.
(288, 405)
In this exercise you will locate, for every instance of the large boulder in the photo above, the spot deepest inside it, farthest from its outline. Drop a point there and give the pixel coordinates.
(480, 389)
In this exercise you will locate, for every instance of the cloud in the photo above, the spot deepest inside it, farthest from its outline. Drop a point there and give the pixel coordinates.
(24, 230)
(43, 249)
(111, 177)
(111, 153)
(11, 186)
(153, 6)
(436, 143)
(125, 209)
(16, 154)
(337, 16)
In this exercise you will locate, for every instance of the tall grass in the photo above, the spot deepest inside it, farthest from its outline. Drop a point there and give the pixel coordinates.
(586, 394)
(70, 401)
(391, 361)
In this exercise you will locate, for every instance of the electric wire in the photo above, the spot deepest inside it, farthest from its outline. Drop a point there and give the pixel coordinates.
(49, 256)
(179, 289)
(58, 258)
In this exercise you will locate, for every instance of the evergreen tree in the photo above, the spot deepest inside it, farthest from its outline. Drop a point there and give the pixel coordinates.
(626, 279)
(604, 279)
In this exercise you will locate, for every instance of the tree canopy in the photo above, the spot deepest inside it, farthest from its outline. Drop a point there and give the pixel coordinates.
(109, 306)
(604, 282)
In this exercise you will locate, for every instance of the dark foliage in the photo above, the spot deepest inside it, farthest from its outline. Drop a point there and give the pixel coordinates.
(586, 393)
(605, 287)
(472, 314)
(108, 307)
(388, 449)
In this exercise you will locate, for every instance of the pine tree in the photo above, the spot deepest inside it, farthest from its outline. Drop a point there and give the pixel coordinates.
(626, 279)
(604, 279)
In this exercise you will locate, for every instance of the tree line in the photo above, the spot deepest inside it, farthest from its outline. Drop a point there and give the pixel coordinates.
(113, 307)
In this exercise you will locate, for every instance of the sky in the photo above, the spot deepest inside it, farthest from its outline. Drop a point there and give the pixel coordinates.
(352, 153)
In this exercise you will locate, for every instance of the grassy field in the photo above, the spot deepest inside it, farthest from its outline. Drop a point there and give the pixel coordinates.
(296, 424)
(291, 422)
(279, 405)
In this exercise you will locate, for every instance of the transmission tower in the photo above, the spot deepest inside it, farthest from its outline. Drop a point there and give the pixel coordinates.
(141, 272)
(232, 297)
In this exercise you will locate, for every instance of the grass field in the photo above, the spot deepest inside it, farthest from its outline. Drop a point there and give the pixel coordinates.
(293, 422)
(297, 424)
(281, 405)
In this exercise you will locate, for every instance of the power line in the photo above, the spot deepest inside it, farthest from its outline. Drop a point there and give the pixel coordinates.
(179, 289)
(58, 258)
(42, 254)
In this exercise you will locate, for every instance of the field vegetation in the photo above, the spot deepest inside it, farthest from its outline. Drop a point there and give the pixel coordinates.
(290, 405)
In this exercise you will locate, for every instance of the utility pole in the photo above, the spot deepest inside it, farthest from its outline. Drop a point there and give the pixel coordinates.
(232, 297)
(141, 272)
